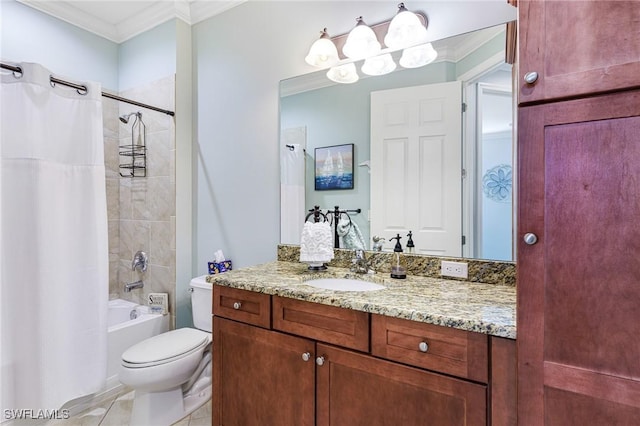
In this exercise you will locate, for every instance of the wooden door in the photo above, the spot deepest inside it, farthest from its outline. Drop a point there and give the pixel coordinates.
(578, 286)
(578, 47)
(416, 166)
(260, 377)
(355, 389)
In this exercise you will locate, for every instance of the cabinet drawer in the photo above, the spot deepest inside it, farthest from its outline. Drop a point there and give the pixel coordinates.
(330, 324)
(242, 305)
(447, 350)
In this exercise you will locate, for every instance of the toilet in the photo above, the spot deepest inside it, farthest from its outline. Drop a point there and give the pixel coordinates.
(171, 372)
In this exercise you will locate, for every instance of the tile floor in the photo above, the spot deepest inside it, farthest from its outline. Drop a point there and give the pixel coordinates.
(117, 410)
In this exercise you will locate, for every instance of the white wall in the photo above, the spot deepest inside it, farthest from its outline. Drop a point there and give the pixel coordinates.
(239, 58)
(70, 52)
(147, 57)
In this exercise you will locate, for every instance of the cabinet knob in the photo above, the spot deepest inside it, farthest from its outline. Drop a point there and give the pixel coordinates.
(237, 305)
(531, 77)
(530, 238)
(320, 360)
(423, 347)
(306, 356)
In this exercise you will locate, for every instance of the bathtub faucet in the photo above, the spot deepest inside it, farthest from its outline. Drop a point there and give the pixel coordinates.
(130, 286)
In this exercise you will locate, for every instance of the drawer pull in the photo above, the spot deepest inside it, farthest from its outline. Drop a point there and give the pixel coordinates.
(306, 356)
(530, 238)
(531, 77)
(237, 305)
(320, 361)
(423, 347)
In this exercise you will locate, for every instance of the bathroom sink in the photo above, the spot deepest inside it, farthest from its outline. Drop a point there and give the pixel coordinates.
(344, 284)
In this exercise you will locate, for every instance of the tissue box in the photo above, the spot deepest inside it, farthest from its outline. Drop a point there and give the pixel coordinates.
(219, 267)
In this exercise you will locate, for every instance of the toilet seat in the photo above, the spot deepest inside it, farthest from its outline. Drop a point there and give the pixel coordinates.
(165, 348)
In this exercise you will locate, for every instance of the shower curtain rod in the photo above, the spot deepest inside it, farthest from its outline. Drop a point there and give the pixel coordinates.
(80, 88)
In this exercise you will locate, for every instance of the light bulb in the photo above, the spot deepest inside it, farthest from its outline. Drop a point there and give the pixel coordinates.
(418, 56)
(405, 30)
(379, 65)
(343, 74)
(323, 52)
(361, 42)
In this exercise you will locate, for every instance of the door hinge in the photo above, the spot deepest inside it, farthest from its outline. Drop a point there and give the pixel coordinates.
(464, 240)
(464, 107)
(464, 173)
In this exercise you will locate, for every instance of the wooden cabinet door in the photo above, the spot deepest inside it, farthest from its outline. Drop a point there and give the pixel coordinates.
(578, 47)
(260, 377)
(579, 285)
(355, 389)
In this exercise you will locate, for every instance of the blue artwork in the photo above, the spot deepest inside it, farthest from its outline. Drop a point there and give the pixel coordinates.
(497, 182)
(334, 167)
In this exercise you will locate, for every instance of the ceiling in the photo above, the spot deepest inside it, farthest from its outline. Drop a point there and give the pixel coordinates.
(120, 20)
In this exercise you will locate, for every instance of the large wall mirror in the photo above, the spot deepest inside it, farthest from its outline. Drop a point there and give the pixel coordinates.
(454, 193)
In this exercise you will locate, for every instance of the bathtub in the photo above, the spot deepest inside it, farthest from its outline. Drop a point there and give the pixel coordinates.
(128, 324)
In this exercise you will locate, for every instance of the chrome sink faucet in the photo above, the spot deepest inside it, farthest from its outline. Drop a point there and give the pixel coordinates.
(360, 264)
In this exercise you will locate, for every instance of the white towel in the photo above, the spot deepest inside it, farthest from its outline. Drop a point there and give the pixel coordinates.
(316, 242)
(350, 235)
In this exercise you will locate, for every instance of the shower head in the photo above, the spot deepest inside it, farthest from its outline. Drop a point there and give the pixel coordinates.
(125, 118)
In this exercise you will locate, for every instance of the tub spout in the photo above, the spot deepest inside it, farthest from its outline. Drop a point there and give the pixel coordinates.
(130, 286)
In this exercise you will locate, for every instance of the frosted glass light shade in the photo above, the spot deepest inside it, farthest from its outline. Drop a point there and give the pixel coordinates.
(343, 74)
(323, 53)
(405, 30)
(361, 42)
(418, 56)
(379, 65)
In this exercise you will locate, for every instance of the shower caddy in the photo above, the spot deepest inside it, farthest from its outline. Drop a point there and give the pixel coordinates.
(136, 151)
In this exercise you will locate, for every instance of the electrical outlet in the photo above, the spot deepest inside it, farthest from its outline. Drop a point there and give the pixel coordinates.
(454, 269)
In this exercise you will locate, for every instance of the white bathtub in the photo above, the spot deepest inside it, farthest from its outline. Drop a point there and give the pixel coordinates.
(129, 323)
(123, 332)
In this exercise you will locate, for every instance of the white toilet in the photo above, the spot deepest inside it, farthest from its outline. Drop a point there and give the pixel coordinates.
(171, 372)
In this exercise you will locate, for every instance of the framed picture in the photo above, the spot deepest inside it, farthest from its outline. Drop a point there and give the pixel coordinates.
(334, 167)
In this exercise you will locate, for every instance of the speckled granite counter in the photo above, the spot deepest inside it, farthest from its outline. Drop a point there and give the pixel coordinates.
(482, 308)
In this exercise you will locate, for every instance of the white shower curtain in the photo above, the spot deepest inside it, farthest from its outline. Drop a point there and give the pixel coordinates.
(54, 265)
(292, 174)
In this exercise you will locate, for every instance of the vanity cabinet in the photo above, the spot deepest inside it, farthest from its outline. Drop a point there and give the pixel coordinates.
(577, 48)
(260, 376)
(578, 292)
(315, 364)
(357, 389)
(578, 208)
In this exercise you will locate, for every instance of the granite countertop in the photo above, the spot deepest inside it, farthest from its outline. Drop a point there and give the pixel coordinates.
(482, 308)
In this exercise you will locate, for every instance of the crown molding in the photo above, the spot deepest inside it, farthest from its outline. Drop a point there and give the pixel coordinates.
(189, 11)
(74, 16)
(203, 9)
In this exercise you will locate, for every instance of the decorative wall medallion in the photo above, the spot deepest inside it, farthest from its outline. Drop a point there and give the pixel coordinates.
(497, 182)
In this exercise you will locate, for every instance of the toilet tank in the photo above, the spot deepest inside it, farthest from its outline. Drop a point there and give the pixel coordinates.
(201, 301)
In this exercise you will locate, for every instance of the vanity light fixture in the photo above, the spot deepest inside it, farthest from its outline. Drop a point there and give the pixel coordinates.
(407, 31)
(323, 52)
(361, 42)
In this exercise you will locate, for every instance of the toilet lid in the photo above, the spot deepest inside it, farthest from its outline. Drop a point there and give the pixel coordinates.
(166, 346)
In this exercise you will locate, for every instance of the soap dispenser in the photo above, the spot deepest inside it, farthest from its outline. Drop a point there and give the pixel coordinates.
(398, 262)
(410, 246)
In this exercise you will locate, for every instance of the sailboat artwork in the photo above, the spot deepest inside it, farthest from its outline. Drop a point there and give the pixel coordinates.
(334, 167)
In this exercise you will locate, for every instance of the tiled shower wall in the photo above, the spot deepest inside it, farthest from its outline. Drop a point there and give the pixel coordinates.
(141, 210)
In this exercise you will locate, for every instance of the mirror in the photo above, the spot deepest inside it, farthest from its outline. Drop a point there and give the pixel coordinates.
(317, 113)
